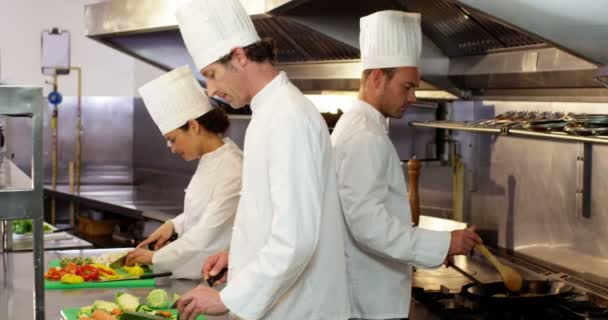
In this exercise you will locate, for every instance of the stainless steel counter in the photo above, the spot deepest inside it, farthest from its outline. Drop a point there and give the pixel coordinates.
(128, 200)
(17, 288)
(52, 241)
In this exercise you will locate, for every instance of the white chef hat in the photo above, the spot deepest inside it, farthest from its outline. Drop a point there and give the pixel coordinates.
(390, 39)
(212, 28)
(174, 98)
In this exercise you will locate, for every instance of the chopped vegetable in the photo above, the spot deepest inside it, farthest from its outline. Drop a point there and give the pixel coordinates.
(25, 226)
(135, 270)
(100, 314)
(157, 299)
(71, 278)
(104, 269)
(105, 306)
(76, 260)
(175, 297)
(22, 226)
(126, 301)
(88, 272)
(165, 314)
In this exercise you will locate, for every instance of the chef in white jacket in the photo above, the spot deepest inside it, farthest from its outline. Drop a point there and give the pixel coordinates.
(286, 258)
(194, 130)
(381, 241)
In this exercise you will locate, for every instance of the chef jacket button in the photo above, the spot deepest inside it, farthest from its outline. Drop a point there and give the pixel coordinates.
(229, 267)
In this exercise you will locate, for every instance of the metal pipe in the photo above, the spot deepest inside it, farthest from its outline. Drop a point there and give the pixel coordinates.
(54, 118)
(78, 142)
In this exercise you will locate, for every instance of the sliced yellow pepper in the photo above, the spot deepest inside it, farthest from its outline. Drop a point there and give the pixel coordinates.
(135, 270)
(109, 276)
(103, 267)
(71, 278)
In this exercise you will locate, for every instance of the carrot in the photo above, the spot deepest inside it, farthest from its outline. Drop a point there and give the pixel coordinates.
(116, 312)
(165, 314)
(102, 315)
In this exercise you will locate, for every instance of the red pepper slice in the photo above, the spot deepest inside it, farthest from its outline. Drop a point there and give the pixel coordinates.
(87, 272)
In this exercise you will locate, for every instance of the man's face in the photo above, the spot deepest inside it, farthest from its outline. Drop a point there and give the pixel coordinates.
(182, 142)
(226, 81)
(398, 92)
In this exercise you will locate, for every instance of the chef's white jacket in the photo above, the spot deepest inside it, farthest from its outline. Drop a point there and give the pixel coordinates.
(210, 203)
(287, 256)
(381, 242)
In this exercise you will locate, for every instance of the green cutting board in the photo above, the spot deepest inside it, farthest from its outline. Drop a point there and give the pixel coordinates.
(54, 285)
(72, 314)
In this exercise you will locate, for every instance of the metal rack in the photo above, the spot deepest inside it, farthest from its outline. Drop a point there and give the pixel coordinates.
(510, 131)
(21, 197)
(584, 156)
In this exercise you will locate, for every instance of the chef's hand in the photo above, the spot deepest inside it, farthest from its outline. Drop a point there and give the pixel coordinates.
(214, 264)
(160, 235)
(141, 256)
(200, 300)
(463, 241)
(449, 260)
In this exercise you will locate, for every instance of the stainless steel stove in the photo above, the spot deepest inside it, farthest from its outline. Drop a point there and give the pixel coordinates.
(442, 295)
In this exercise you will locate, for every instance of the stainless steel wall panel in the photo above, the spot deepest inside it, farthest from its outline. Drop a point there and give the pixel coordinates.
(526, 194)
(107, 138)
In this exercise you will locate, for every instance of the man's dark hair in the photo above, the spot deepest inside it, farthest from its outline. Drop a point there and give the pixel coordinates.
(215, 121)
(388, 72)
(260, 51)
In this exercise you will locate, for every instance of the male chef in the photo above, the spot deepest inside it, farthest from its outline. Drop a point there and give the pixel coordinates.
(381, 241)
(286, 258)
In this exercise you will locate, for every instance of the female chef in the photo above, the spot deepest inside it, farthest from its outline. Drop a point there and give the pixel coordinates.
(194, 130)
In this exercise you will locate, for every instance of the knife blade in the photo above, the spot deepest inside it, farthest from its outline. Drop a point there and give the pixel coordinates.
(130, 315)
(144, 276)
(118, 263)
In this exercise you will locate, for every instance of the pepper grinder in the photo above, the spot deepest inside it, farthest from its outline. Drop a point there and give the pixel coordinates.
(413, 170)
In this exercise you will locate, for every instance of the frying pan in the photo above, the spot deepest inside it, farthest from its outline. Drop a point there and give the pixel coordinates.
(495, 294)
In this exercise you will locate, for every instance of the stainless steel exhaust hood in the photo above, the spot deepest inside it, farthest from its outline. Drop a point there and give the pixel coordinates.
(469, 49)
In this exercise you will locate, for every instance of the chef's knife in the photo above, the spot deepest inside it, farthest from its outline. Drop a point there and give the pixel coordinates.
(212, 279)
(120, 262)
(143, 276)
(129, 315)
(173, 237)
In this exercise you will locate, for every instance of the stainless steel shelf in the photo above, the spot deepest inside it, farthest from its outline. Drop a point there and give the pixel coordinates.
(16, 203)
(511, 132)
(453, 126)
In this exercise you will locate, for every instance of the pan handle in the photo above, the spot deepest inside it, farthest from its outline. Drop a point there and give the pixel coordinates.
(464, 273)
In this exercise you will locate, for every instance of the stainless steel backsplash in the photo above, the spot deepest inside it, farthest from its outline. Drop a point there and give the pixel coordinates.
(107, 139)
(523, 191)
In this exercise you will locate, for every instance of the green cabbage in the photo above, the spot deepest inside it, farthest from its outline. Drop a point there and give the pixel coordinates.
(127, 302)
(158, 299)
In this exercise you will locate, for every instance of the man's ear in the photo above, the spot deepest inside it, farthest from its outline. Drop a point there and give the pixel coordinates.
(239, 57)
(377, 78)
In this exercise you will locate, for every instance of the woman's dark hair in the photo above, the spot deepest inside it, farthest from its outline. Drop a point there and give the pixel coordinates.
(215, 121)
(260, 51)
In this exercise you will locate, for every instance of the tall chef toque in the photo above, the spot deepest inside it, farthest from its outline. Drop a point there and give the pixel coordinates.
(174, 98)
(212, 28)
(390, 39)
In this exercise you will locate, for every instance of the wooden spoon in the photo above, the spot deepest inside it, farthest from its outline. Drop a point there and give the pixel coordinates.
(511, 278)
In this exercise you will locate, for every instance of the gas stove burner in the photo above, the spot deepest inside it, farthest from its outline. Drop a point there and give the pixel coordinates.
(459, 306)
